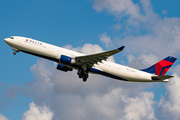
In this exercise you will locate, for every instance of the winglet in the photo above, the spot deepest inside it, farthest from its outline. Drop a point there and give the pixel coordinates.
(121, 48)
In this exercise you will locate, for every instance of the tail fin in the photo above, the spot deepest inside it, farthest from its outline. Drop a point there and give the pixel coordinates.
(161, 67)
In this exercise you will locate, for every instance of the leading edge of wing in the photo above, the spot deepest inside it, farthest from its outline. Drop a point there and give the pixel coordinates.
(107, 53)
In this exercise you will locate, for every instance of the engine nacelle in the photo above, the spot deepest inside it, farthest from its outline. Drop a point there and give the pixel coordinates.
(66, 60)
(63, 68)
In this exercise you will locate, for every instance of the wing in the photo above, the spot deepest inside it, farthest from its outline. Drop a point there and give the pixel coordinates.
(90, 60)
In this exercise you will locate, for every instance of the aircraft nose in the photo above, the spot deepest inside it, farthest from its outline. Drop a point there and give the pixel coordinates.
(6, 40)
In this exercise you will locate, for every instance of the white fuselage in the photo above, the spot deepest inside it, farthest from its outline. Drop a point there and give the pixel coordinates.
(52, 52)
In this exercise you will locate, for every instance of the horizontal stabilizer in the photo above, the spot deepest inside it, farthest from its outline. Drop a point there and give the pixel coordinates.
(161, 77)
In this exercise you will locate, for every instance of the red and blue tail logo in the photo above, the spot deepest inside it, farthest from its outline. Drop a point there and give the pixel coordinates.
(161, 67)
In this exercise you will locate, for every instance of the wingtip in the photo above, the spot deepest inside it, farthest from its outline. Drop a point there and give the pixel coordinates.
(121, 48)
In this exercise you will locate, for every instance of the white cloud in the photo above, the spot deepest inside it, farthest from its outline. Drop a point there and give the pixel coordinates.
(169, 105)
(68, 46)
(42, 82)
(105, 39)
(140, 107)
(130, 57)
(161, 38)
(136, 13)
(117, 26)
(92, 49)
(150, 58)
(162, 41)
(71, 48)
(2, 117)
(142, 61)
(118, 7)
(37, 113)
(165, 12)
(162, 35)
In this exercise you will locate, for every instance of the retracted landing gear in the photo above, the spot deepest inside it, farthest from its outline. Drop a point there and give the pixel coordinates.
(83, 74)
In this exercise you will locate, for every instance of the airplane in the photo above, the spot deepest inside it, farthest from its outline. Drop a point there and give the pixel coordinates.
(94, 63)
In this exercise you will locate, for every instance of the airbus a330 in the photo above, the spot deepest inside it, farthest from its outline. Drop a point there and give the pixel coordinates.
(94, 63)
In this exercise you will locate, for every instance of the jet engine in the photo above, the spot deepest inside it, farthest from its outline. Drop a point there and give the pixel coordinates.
(63, 68)
(66, 60)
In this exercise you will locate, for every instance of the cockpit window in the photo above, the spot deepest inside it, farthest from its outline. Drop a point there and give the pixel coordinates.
(12, 37)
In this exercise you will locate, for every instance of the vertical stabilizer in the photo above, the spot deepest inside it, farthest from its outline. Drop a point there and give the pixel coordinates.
(161, 67)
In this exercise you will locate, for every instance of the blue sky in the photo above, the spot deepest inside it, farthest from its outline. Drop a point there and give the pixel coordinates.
(150, 31)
